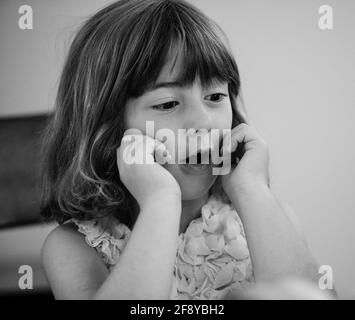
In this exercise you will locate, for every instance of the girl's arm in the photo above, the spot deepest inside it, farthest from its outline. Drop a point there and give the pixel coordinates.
(277, 246)
(144, 270)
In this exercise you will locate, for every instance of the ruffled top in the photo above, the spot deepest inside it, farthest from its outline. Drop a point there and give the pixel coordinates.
(212, 256)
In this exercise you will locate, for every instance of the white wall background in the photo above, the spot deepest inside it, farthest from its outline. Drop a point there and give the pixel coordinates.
(298, 85)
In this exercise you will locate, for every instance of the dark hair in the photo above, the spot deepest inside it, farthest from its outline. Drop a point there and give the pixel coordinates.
(116, 55)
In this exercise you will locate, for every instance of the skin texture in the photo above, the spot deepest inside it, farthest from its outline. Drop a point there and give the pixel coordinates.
(170, 199)
(195, 108)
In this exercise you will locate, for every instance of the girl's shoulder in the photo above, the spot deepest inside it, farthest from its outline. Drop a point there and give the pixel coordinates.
(65, 256)
(61, 242)
(60, 236)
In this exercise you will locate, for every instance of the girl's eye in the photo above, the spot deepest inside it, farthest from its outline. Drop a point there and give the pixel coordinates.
(165, 106)
(218, 95)
(215, 97)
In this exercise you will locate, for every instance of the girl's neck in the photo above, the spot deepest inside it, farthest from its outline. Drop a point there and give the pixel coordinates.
(191, 209)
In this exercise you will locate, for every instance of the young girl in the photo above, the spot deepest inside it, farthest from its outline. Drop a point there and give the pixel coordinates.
(151, 230)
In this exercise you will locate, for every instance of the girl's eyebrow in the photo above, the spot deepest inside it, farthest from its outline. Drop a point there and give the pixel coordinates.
(168, 84)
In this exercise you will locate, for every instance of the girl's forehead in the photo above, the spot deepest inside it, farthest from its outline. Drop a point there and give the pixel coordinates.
(173, 68)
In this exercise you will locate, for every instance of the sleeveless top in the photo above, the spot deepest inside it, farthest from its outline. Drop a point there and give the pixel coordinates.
(212, 257)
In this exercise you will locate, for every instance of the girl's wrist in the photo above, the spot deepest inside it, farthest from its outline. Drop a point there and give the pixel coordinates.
(169, 199)
(246, 190)
(242, 195)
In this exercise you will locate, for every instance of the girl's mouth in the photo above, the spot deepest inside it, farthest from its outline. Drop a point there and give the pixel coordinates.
(195, 168)
(197, 163)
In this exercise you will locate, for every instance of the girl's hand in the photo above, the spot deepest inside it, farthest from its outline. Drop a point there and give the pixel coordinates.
(141, 175)
(253, 167)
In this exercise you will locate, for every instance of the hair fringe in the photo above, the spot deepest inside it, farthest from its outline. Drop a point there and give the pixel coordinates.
(112, 58)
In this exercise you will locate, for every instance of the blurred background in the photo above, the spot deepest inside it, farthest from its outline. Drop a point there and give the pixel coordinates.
(298, 87)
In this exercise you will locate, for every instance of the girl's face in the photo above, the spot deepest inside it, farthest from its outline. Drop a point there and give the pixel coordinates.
(174, 107)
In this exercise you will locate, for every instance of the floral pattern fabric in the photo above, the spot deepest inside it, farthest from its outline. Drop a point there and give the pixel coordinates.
(212, 256)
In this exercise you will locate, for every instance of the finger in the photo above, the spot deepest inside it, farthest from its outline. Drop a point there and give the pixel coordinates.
(129, 136)
(240, 134)
(162, 154)
(127, 140)
(146, 149)
(141, 149)
(251, 134)
(157, 149)
(226, 146)
(132, 152)
(230, 144)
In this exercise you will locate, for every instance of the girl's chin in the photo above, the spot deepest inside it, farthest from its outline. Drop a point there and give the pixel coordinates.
(194, 182)
(188, 195)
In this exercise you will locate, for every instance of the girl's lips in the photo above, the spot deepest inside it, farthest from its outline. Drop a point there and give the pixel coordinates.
(195, 169)
(199, 157)
(199, 144)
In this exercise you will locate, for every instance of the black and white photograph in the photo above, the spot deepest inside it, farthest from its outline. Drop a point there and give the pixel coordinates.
(177, 150)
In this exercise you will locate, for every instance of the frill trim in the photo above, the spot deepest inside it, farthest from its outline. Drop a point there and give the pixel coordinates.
(212, 257)
(108, 237)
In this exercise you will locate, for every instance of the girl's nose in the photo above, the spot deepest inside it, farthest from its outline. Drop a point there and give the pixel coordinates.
(199, 118)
